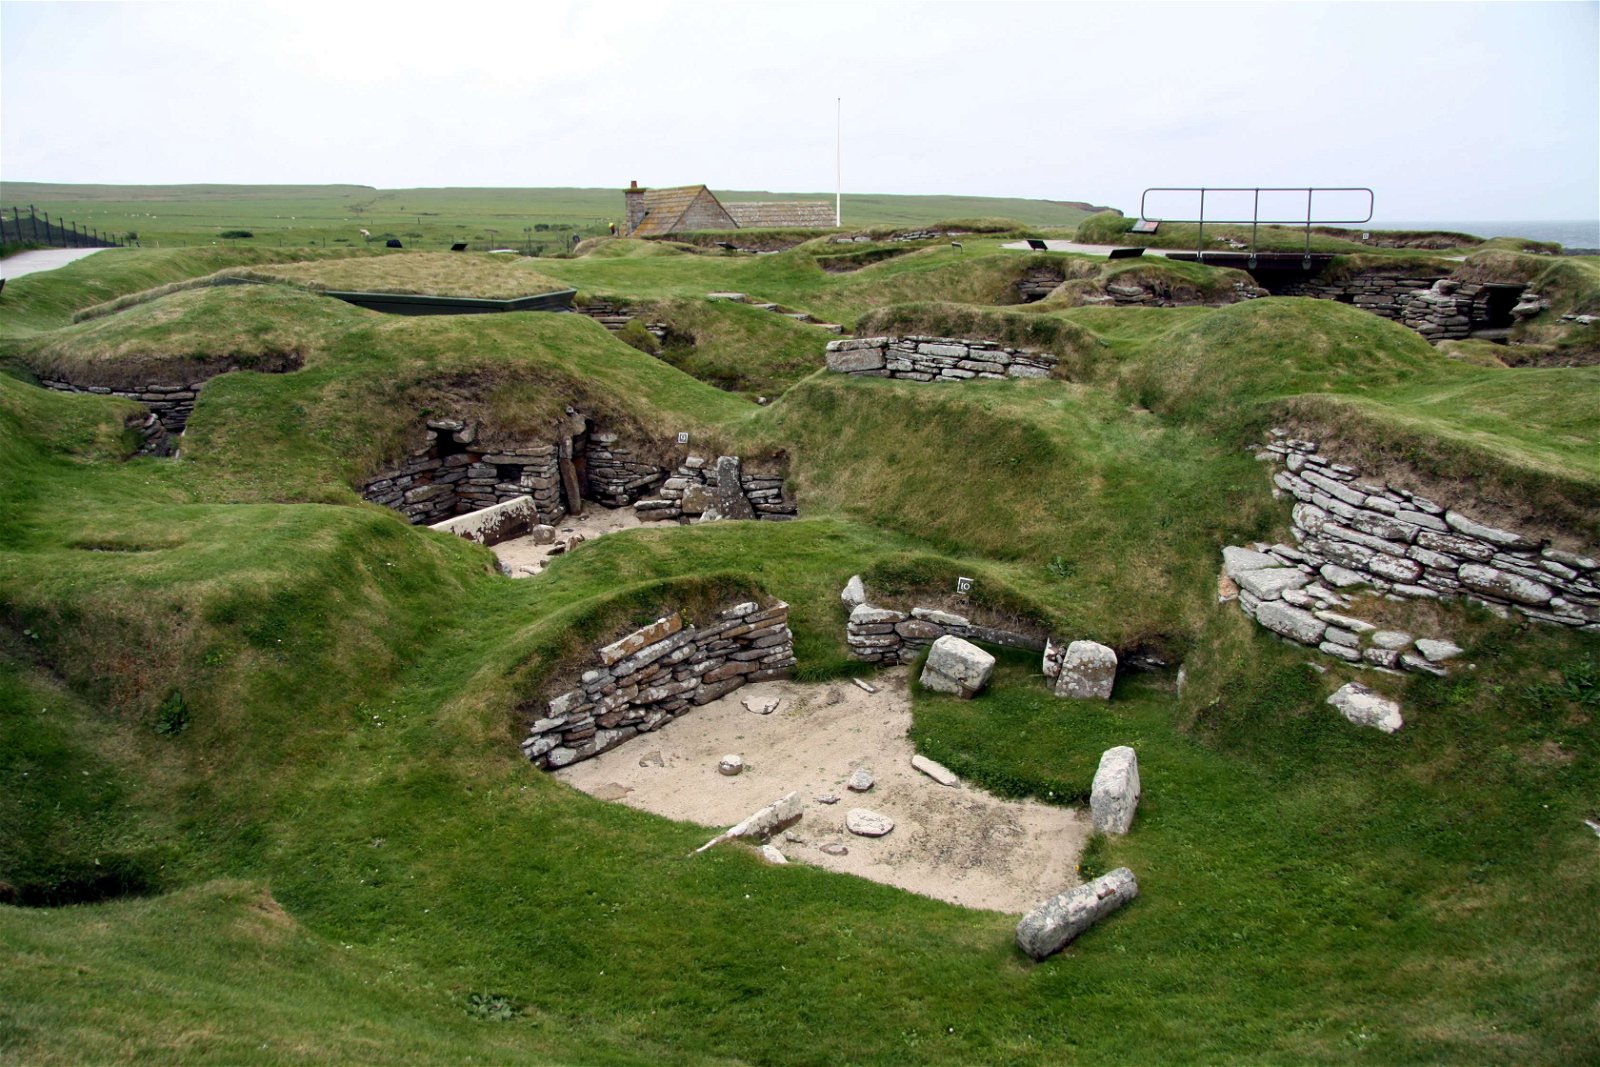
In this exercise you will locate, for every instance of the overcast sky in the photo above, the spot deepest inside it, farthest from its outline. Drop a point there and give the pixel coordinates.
(1448, 110)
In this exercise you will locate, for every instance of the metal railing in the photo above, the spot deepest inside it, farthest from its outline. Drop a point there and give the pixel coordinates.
(1255, 220)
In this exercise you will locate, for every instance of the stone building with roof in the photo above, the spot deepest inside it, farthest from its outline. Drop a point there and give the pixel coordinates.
(659, 212)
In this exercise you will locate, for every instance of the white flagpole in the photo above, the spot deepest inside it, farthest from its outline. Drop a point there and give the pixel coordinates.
(838, 164)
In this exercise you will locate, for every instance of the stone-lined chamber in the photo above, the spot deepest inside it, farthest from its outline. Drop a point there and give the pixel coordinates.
(888, 635)
(649, 677)
(1353, 536)
(935, 359)
(723, 490)
(1429, 302)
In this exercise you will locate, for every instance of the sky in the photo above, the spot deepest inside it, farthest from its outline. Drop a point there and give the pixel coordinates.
(1457, 111)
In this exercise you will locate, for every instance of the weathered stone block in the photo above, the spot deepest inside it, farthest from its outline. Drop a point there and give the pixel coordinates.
(1055, 923)
(1114, 796)
(957, 667)
(1088, 671)
(648, 635)
(1363, 707)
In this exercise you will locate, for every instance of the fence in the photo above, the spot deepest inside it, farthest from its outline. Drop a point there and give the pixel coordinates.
(36, 228)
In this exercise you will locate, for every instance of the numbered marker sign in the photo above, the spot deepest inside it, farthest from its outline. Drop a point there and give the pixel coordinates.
(963, 585)
(683, 438)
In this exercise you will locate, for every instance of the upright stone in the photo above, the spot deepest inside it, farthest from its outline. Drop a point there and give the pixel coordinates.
(1114, 796)
(855, 592)
(957, 667)
(731, 501)
(1052, 925)
(1088, 671)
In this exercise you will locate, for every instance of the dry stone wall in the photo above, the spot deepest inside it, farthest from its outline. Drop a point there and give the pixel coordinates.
(1432, 303)
(722, 491)
(1356, 536)
(649, 677)
(888, 635)
(618, 474)
(935, 359)
(1132, 294)
(452, 473)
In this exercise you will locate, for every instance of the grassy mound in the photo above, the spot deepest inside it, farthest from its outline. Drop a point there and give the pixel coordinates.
(467, 274)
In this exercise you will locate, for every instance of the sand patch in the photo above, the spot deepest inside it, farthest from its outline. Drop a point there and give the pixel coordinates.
(524, 558)
(957, 844)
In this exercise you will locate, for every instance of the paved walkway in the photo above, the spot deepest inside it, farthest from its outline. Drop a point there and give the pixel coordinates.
(41, 259)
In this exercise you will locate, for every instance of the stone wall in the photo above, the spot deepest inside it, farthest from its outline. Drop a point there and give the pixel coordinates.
(452, 473)
(1433, 304)
(617, 472)
(1038, 283)
(1356, 536)
(935, 359)
(888, 635)
(656, 673)
(1133, 294)
(1380, 291)
(723, 491)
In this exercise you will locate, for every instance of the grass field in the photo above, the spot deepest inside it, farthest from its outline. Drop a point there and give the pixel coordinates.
(262, 801)
(334, 215)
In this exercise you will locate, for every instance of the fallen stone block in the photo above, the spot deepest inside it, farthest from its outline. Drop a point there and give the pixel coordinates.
(865, 823)
(763, 823)
(1054, 924)
(957, 667)
(1363, 707)
(937, 771)
(1114, 797)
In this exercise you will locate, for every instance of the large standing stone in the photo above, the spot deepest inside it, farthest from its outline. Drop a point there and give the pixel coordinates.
(1115, 794)
(855, 592)
(957, 667)
(1088, 671)
(731, 501)
(1049, 927)
(1363, 707)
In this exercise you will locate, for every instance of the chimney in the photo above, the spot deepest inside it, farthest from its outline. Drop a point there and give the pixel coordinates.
(633, 196)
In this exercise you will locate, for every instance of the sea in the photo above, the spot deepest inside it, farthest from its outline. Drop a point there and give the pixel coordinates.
(1569, 233)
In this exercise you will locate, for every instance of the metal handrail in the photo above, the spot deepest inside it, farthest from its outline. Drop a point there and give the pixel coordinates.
(1255, 220)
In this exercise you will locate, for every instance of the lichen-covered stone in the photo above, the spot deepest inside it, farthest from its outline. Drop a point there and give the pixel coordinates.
(1114, 796)
(1088, 671)
(1055, 923)
(957, 667)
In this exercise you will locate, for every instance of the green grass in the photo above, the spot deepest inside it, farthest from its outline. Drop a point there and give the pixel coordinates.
(341, 856)
(330, 215)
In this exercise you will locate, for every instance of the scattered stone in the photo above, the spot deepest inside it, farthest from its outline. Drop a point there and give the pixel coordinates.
(861, 781)
(855, 592)
(543, 535)
(1363, 707)
(730, 765)
(957, 667)
(764, 822)
(937, 771)
(1114, 797)
(1052, 925)
(793, 838)
(864, 823)
(1437, 651)
(612, 791)
(652, 759)
(826, 798)
(1088, 671)
(771, 854)
(865, 687)
(832, 697)
(834, 848)
(761, 705)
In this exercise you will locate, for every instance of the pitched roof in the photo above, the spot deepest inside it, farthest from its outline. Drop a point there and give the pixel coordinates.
(664, 209)
(782, 214)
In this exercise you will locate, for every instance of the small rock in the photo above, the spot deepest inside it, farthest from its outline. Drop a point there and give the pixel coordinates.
(826, 798)
(864, 823)
(730, 765)
(937, 771)
(612, 791)
(832, 698)
(834, 848)
(1436, 651)
(865, 687)
(772, 855)
(652, 759)
(855, 592)
(761, 705)
(860, 781)
(793, 838)
(543, 535)
(1363, 707)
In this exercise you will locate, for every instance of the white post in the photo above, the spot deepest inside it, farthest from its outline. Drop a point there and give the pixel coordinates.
(838, 165)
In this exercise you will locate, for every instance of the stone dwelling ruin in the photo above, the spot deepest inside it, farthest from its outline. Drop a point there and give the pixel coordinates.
(684, 208)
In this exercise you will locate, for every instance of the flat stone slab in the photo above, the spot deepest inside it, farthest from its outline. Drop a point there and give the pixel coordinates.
(1114, 797)
(937, 771)
(1363, 707)
(1054, 924)
(861, 781)
(1087, 671)
(865, 823)
(764, 822)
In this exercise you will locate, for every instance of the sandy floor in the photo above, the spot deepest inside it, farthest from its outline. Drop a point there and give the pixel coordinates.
(956, 844)
(525, 558)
